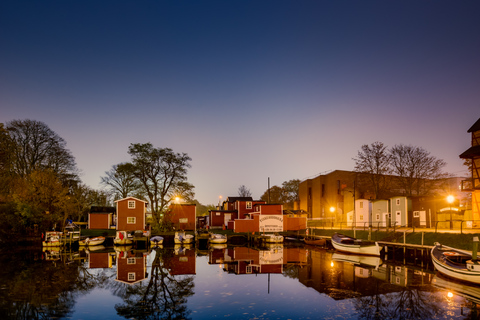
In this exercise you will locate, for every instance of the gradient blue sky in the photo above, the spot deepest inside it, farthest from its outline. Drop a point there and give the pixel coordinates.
(248, 89)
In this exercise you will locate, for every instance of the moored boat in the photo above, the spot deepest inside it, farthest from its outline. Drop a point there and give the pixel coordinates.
(91, 241)
(182, 238)
(217, 238)
(352, 245)
(122, 238)
(456, 263)
(273, 238)
(156, 240)
(52, 239)
(313, 241)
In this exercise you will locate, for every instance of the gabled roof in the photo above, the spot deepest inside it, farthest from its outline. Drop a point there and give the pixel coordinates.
(132, 198)
(475, 127)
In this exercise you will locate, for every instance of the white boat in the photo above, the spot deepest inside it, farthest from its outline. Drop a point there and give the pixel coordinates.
(455, 263)
(156, 240)
(360, 260)
(92, 241)
(182, 238)
(217, 238)
(273, 238)
(352, 245)
(122, 238)
(52, 239)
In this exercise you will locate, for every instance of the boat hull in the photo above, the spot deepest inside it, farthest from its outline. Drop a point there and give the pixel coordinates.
(356, 247)
(315, 242)
(458, 271)
(92, 242)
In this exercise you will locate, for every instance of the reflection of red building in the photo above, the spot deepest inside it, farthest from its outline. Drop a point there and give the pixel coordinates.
(183, 216)
(182, 263)
(131, 266)
(99, 260)
(242, 260)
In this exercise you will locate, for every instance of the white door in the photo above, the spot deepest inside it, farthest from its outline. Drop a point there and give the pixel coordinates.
(228, 217)
(398, 218)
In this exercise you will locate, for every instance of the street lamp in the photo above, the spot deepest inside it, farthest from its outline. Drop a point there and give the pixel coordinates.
(450, 200)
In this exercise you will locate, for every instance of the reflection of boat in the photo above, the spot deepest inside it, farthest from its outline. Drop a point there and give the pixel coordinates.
(455, 263)
(91, 241)
(362, 260)
(464, 289)
(156, 240)
(52, 239)
(182, 238)
(348, 244)
(273, 238)
(122, 238)
(94, 248)
(218, 245)
(217, 238)
(315, 241)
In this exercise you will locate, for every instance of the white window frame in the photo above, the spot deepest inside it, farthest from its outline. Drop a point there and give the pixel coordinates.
(361, 204)
(249, 204)
(361, 217)
(131, 260)
(131, 276)
(378, 216)
(397, 202)
(129, 220)
(131, 204)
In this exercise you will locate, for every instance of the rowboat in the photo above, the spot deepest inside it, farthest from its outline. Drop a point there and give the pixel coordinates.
(455, 263)
(217, 238)
(273, 238)
(352, 245)
(92, 241)
(315, 241)
(156, 240)
(182, 238)
(52, 239)
(122, 238)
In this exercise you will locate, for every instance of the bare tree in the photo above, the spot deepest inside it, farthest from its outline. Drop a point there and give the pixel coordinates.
(243, 191)
(159, 171)
(121, 180)
(374, 162)
(37, 147)
(418, 173)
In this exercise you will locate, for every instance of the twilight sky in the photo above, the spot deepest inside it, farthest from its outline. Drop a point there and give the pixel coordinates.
(248, 89)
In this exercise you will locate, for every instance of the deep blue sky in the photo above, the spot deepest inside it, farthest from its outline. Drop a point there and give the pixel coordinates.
(249, 89)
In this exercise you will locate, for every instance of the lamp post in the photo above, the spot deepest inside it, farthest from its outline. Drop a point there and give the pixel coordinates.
(332, 210)
(450, 200)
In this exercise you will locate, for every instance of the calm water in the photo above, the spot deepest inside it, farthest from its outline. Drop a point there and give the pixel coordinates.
(282, 282)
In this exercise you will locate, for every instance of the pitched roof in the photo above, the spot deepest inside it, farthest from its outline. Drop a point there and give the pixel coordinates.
(233, 199)
(133, 198)
(475, 127)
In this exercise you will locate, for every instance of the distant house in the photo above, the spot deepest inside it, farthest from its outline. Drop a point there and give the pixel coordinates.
(381, 216)
(232, 208)
(101, 217)
(131, 214)
(399, 208)
(183, 216)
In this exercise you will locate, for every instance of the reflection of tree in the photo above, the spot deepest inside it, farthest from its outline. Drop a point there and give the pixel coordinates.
(36, 289)
(410, 303)
(164, 297)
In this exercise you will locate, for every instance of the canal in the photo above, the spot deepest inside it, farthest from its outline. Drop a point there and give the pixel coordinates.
(289, 281)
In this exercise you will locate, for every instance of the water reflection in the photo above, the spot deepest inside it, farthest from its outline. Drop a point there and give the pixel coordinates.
(188, 282)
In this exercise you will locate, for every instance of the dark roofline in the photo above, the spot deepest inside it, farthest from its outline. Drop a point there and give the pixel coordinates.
(471, 152)
(97, 209)
(475, 127)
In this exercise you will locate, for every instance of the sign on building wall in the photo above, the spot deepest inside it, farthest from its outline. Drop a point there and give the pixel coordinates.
(271, 223)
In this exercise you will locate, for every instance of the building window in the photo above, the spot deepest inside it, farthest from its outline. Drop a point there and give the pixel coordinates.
(361, 217)
(131, 261)
(131, 276)
(131, 204)
(416, 214)
(361, 204)
(249, 269)
(249, 205)
(378, 216)
(398, 202)
(131, 220)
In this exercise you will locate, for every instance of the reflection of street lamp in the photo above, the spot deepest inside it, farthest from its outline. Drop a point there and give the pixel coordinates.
(450, 200)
